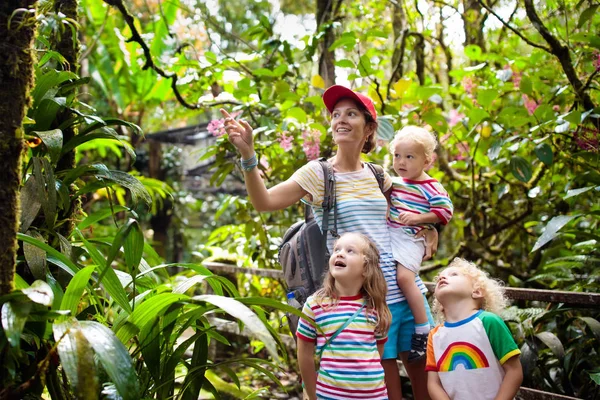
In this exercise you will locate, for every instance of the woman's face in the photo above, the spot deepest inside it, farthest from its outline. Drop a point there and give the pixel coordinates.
(348, 123)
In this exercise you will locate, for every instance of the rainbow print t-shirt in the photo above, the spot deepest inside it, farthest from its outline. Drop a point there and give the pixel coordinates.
(468, 355)
(350, 367)
(418, 197)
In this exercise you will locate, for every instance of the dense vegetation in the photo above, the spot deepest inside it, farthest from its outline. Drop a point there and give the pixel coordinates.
(103, 290)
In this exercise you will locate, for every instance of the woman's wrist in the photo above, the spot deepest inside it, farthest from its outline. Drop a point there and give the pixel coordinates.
(249, 163)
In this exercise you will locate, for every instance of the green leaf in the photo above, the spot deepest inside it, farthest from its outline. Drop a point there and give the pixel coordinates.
(525, 86)
(476, 115)
(473, 52)
(297, 113)
(544, 152)
(345, 64)
(475, 67)
(137, 189)
(35, 257)
(100, 215)
(552, 228)
(520, 168)
(595, 377)
(50, 80)
(245, 315)
(573, 117)
(348, 40)
(65, 263)
(587, 14)
(486, 97)
(14, 317)
(593, 324)
(134, 247)
(53, 139)
(194, 380)
(553, 343)
(154, 307)
(75, 289)
(364, 66)
(576, 192)
(30, 203)
(385, 130)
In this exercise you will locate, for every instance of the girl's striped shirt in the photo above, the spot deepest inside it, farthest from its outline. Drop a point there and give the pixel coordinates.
(418, 197)
(350, 367)
(361, 208)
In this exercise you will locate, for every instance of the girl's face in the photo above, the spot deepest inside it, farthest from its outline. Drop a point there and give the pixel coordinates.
(348, 123)
(347, 262)
(409, 159)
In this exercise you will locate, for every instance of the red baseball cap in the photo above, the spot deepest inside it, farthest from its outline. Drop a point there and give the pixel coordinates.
(336, 92)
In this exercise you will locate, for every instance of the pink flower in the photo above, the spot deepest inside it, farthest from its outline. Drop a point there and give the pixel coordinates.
(468, 84)
(530, 104)
(217, 126)
(463, 148)
(516, 78)
(312, 143)
(454, 117)
(285, 141)
(556, 107)
(588, 139)
(597, 60)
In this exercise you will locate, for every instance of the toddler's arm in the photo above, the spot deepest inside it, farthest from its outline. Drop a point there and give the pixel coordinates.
(306, 361)
(411, 219)
(512, 379)
(434, 387)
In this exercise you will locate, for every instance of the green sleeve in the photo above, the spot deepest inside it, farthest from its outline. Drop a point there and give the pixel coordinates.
(501, 339)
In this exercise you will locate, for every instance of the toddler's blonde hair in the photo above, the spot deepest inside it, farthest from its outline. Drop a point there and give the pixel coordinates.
(493, 299)
(419, 135)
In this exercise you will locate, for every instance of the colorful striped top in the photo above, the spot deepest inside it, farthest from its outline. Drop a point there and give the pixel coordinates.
(418, 197)
(468, 355)
(362, 208)
(350, 367)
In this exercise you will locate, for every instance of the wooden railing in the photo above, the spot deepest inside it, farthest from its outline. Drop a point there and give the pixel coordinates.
(548, 296)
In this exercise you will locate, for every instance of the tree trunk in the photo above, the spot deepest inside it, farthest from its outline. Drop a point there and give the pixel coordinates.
(398, 24)
(473, 20)
(16, 80)
(70, 50)
(325, 13)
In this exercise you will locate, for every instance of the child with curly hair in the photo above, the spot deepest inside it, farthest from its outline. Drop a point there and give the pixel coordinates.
(353, 320)
(417, 201)
(472, 354)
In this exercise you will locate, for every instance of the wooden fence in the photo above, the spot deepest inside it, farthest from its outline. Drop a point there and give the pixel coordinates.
(548, 296)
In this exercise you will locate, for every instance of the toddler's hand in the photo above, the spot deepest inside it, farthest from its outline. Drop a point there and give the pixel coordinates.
(409, 219)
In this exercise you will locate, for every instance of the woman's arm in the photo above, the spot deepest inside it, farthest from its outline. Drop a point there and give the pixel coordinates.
(431, 242)
(279, 196)
(306, 362)
(513, 376)
(434, 387)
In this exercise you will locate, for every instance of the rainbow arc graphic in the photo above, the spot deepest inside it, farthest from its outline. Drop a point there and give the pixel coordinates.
(462, 354)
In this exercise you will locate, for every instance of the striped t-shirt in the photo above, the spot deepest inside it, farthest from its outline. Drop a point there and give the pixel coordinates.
(350, 366)
(418, 197)
(361, 208)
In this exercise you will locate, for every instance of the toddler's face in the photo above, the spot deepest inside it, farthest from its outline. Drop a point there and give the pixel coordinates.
(453, 282)
(409, 159)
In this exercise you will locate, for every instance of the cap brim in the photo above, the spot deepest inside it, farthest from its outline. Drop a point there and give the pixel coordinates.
(336, 92)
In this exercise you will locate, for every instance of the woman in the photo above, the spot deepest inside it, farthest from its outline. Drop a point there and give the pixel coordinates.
(362, 208)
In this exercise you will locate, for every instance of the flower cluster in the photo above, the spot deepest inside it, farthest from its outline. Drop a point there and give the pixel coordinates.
(285, 140)
(516, 78)
(454, 117)
(468, 84)
(216, 127)
(312, 143)
(588, 139)
(530, 104)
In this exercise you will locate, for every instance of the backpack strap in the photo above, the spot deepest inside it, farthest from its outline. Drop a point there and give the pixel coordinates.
(379, 175)
(329, 201)
(332, 337)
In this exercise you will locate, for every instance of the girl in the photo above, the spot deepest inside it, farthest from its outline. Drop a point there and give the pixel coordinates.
(351, 304)
(361, 206)
(473, 352)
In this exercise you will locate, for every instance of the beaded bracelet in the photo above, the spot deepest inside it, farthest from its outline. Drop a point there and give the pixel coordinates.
(249, 164)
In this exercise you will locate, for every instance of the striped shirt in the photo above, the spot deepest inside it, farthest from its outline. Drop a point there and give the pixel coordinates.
(362, 208)
(350, 367)
(418, 197)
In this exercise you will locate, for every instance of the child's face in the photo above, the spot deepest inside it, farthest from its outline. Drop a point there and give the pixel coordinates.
(453, 282)
(409, 159)
(347, 262)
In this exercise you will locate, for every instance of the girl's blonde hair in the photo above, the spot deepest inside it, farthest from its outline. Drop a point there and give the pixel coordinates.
(419, 135)
(493, 299)
(374, 287)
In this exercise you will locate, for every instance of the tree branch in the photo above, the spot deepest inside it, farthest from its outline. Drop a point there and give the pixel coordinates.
(561, 52)
(516, 32)
(136, 37)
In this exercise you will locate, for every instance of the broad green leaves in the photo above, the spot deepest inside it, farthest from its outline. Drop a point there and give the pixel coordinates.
(552, 228)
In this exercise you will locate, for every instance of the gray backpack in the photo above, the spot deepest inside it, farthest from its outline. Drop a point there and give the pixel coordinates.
(303, 253)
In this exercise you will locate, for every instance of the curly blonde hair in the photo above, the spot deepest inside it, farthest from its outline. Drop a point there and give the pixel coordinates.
(374, 286)
(493, 299)
(419, 135)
